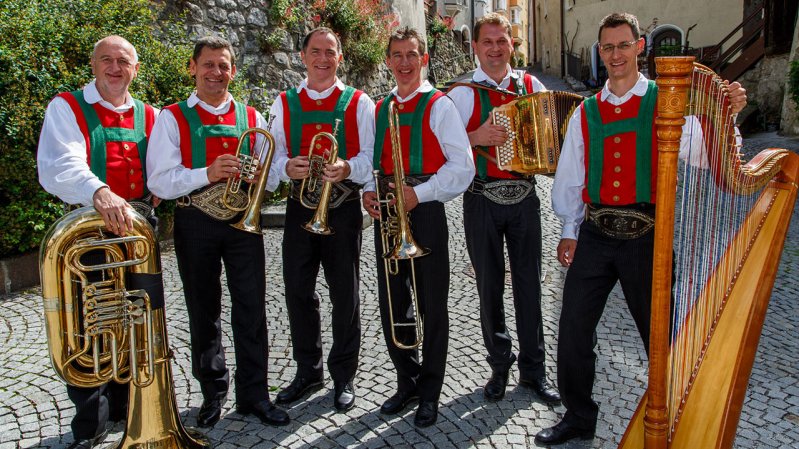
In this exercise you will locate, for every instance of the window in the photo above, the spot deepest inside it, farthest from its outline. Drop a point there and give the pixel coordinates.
(502, 5)
(515, 16)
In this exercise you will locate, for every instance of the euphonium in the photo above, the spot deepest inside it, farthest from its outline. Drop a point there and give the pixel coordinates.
(318, 223)
(395, 231)
(104, 319)
(251, 221)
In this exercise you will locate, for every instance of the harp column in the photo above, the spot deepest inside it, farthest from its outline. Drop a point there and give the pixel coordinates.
(673, 81)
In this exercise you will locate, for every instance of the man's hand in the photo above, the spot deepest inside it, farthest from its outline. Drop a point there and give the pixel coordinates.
(116, 212)
(566, 249)
(737, 97)
(488, 134)
(336, 172)
(371, 205)
(411, 200)
(297, 167)
(225, 166)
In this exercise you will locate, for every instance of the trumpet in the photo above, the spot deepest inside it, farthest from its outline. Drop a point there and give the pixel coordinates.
(395, 232)
(318, 223)
(251, 221)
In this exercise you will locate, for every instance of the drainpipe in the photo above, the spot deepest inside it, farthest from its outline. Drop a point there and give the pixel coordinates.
(562, 39)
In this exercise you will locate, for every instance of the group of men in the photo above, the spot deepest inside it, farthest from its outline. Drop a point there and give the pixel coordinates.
(189, 151)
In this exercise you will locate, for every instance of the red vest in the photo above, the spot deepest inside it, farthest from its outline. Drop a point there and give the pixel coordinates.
(124, 162)
(215, 146)
(431, 154)
(618, 185)
(479, 116)
(311, 123)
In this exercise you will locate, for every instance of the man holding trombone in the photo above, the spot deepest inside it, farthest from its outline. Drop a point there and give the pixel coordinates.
(324, 135)
(437, 159)
(194, 153)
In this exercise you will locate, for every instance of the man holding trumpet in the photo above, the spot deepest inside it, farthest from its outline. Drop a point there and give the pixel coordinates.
(193, 155)
(338, 121)
(436, 157)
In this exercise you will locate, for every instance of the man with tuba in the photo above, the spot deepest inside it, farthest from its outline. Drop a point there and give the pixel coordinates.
(338, 121)
(194, 154)
(83, 160)
(501, 206)
(439, 167)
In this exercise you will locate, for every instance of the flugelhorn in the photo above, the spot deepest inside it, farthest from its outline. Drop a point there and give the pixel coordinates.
(251, 221)
(395, 232)
(104, 319)
(318, 223)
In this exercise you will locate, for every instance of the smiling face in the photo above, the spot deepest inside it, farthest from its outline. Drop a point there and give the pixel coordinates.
(405, 62)
(622, 65)
(493, 48)
(321, 58)
(213, 71)
(114, 66)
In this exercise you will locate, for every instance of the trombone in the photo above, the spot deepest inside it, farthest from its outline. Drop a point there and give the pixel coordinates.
(251, 221)
(395, 232)
(318, 223)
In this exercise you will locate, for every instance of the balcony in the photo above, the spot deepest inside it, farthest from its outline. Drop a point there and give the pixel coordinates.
(518, 3)
(453, 6)
(517, 31)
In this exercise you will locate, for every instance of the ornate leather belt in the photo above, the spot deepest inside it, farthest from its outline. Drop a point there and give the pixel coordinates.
(622, 223)
(339, 193)
(410, 180)
(503, 191)
(209, 201)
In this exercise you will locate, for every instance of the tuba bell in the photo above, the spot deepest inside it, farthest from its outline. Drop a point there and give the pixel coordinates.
(104, 319)
(395, 231)
(251, 221)
(318, 223)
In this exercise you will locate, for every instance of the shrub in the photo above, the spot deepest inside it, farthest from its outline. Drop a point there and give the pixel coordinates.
(45, 49)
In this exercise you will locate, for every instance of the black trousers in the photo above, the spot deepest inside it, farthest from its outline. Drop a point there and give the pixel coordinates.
(339, 256)
(599, 262)
(487, 226)
(429, 229)
(202, 244)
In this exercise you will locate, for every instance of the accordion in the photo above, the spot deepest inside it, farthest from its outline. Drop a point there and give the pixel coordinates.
(536, 125)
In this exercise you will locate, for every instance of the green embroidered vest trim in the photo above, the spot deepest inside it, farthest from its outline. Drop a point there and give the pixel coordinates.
(300, 118)
(412, 119)
(200, 132)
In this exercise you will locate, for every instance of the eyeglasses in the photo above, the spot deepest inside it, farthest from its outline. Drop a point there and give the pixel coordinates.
(623, 46)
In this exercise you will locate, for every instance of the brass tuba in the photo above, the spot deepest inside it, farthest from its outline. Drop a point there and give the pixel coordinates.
(318, 223)
(395, 232)
(251, 221)
(104, 319)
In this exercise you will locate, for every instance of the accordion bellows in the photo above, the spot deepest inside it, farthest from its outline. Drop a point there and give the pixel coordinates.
(536, 125)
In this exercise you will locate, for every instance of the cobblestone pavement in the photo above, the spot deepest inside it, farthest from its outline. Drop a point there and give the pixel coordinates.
(35, 411)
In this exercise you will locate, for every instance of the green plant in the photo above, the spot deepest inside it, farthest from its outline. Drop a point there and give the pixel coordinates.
(45, 49)
(793, 83)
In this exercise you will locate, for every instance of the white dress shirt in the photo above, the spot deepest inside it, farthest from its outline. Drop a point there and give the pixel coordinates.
(567, 189)
(61, 157)
(454, 177)
(463, 96)
(361, 164)
(167, 177)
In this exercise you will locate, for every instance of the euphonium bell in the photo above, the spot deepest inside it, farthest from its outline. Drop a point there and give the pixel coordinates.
(104, 320)
(251, 221)
(395, 231)
(318, 223)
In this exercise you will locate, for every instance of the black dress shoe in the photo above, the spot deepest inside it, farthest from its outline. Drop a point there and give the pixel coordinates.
(561, 433)
(266, 412)
(426, 414)
(343, 396)
(298, 388)
(88, 443)
(494, 389)
(543, 389)
(398, 402)
(211, 411)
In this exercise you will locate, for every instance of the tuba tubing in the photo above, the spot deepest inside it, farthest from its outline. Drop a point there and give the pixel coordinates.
(123, 313)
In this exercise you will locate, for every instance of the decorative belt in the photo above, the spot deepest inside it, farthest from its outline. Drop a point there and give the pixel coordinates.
(410, 180)
(209, 201)
(622, 223)
(339, 193)
(503, 191)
